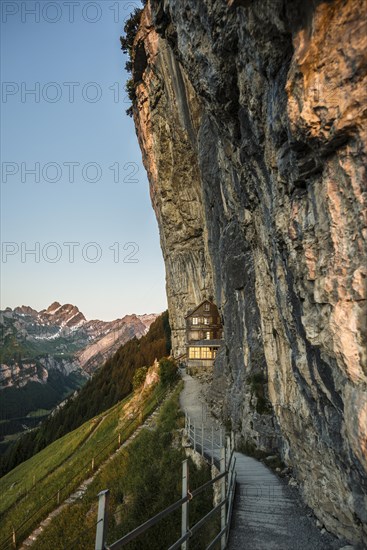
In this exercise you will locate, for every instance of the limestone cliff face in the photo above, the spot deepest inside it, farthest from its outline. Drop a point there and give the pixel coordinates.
(251, 117)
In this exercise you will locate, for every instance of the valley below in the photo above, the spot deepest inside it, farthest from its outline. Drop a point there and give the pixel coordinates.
(48, 355)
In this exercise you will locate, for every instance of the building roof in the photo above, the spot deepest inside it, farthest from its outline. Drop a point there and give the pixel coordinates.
(197, 307)
(205, 343)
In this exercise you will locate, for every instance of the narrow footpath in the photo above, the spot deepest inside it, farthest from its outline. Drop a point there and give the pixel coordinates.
(268, 513)
(81, 490)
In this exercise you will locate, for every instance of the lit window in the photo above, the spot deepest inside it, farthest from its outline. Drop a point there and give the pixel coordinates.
(200, 353)
(206, 321)
(195, 321)
(207, 335)
(194, 353)
(206, 353)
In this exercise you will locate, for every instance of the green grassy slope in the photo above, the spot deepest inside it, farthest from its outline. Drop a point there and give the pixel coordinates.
(32, 489)
(143, 479)
(107, 387)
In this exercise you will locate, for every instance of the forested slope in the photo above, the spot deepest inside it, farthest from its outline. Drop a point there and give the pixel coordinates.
(110, 384)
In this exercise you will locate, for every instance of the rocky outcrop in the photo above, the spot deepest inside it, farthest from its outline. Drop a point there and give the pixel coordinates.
(49, 354)
(251, 117)
(106, 337)
(19, 375)
(170, 156)
(59, 338)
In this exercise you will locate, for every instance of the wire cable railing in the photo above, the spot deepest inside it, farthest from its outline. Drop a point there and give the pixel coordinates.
(21, 530)
(216, 449)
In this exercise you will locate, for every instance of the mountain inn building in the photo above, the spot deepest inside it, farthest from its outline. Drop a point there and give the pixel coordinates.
(204, 333)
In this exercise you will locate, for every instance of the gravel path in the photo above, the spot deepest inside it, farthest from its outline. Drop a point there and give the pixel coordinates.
(268, 513)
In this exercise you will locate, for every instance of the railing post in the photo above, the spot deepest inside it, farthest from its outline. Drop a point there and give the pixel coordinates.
(223, 496)
(14, 538)
(101, 531)
(232, 440)
(229, 465)
(212, 445)
(194, 436)
(220, 438)
(228, 451)
(230, 493)
(202, 439)
(185, 505)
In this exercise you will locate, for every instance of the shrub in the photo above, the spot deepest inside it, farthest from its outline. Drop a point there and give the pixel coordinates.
(139, 377)
(168, 373)
(130, 29)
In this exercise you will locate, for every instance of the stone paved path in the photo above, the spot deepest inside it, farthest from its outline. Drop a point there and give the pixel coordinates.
(268, 513)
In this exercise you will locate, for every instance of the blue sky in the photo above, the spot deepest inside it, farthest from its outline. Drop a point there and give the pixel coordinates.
(71, 165)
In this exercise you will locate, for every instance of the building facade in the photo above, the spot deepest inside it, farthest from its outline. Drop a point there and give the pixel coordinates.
(204, 333)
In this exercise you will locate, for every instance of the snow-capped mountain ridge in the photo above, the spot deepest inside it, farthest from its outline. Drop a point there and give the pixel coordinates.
(47, 355)
(61, 331)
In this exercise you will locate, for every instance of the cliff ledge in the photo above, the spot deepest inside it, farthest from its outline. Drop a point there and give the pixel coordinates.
(251, 118)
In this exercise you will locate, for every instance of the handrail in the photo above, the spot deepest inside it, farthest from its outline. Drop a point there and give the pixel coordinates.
(203, 520)
(145, 526)
(217, 538)
(155, 519)
(197, 526)
(207, 484)
(70, 485)
(227, 476)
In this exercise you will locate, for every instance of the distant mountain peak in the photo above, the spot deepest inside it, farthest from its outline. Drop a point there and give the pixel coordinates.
(53, 307)
(24, 310)
(66, 315)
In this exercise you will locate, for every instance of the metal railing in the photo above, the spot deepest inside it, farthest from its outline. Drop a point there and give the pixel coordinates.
(216, 449)
(63, 492)
(207, 441)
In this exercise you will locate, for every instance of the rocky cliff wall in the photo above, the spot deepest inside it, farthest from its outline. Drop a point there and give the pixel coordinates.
(251, 117)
